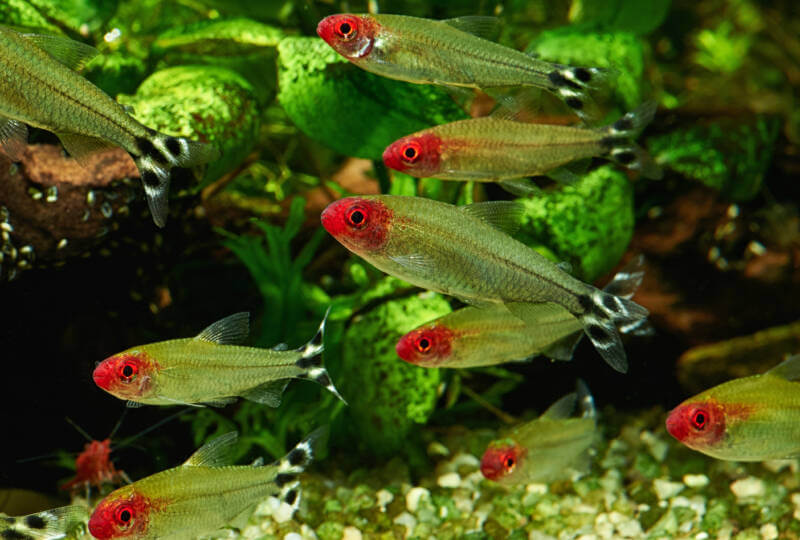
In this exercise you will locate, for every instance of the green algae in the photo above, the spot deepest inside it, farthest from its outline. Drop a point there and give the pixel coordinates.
(587, 224)
(620, 15)
(23, 14)
(118, 72)
(363, 113)
(229, 37)
(388, 396)
(728, 155)
(206, 103)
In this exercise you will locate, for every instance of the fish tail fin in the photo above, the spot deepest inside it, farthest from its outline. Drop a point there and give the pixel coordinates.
(156, 155)
(311, 361)
(585, 400)
(624, 285)
(605, 312)
(573, 84)
(619, 146)
(295, 462)
(53, 523)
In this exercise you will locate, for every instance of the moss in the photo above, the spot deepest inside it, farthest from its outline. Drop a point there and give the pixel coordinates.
(728, 155)
(387, 395)
(23, 14)
(117, 72)
(363, 113)
(219, 37)
(622, 53)
(330, 530)
(588, 224)
(207, 103)
(79, 16)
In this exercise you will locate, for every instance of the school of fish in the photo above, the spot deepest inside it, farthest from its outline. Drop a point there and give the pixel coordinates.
(520, 303)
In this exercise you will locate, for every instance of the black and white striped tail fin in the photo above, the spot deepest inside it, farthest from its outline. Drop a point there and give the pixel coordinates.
(585, 400)
(606, 312)
(45, 525)
(157, 154)
(624, 285)
(573, 84)
(311, 363)
(294, 463)
(618, 141)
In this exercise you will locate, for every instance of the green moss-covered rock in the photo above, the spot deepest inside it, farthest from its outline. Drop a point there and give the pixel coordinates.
(23, 14)
(588, 224)
(229, 37)
(622, 53)
(348, 109)
(730, 156)
(207, 103)
(620, 15)
(388, 396)
(80, 16)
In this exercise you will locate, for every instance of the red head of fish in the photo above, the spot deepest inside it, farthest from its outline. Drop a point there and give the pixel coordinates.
(500, 459)
(120, 516)
(126, 375)
(698, 424)
(361, 225)
(426, 346)
(417, 155)
(352, 36)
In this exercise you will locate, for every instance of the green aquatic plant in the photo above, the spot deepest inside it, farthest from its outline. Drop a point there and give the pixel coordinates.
(278, 273)
(729, 155)
(363, 113)
(587, 224)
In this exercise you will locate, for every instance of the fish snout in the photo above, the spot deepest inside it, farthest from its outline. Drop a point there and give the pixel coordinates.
(391, 157)
(102, 375)
(675, 424)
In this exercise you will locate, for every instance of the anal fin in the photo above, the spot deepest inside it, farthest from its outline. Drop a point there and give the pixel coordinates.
(268, 393)
(564, 348)
(13, 138)
(80, 147)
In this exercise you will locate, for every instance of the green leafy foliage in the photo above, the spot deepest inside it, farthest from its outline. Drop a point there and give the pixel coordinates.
(363, 113)
(620, 15)
(277, 274)
(729, 155)
(588, 224)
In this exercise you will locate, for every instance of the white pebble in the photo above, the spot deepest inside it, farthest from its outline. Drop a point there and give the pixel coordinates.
(695, 480)
(466, 460)
(658, 447)
(406, 520)
(537, 535)
(603, 526)
(284, 513)
(769, 531)
(666, 489)
(384, 497)
(292, 536)
(536, 489)
(616, 517)
(748, 487)
(351, 533)
(449, 480)
(630, 529)
(413, 497)
(701, 536)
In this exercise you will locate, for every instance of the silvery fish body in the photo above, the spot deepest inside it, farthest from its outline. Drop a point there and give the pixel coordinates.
(462, 251)
(40, 87)
(201, 496)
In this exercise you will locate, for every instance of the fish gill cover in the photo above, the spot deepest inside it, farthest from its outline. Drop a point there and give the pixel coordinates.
(85, 274)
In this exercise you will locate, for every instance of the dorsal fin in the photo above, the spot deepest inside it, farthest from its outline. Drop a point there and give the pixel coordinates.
(231, 330)
(69, 52)
(478, 25)
(789, 369)
(563, 408)
(504, 216)
(215, 453)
